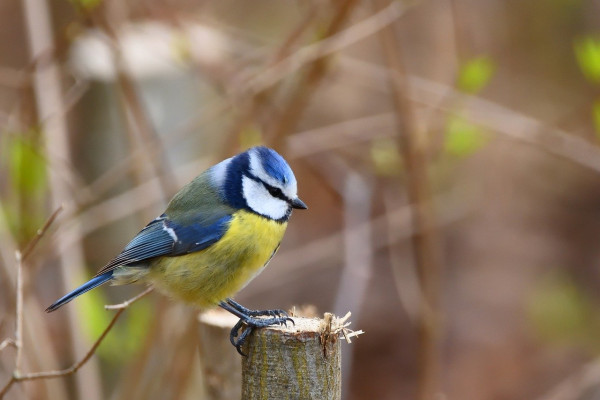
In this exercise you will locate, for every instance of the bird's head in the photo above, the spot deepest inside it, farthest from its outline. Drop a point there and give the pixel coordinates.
(259, 180)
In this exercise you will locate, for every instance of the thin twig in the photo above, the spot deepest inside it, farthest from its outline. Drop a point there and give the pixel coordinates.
(307, 84)
(50, 109)
(127, 303)
(136, 114)
(256, 103)
(414, 145)
(17, 377)
(8, 342)
(487, 114)
(26, 252)
(19, 329)
(331, 44)
(20, 259)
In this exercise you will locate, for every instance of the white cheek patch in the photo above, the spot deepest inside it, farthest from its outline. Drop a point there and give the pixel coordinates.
(258, 199)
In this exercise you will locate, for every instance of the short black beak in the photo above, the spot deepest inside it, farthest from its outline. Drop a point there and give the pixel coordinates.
(297, 203)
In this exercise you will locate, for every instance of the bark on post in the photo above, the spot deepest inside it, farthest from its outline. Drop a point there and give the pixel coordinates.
(301, 361)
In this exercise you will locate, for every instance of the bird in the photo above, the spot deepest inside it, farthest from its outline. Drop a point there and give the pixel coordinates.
(216, 235)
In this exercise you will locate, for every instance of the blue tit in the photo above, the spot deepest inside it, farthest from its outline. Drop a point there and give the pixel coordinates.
(217, 234)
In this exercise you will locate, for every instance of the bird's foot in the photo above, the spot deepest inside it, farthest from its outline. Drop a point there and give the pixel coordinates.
(256, 313)
(249, 319)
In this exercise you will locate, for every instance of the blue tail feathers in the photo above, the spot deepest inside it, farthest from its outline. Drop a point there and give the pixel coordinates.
(89, 285)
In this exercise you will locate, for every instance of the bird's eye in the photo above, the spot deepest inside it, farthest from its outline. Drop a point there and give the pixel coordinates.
(275, 192)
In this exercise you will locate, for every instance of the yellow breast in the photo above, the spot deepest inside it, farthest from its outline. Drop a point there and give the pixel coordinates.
(206, 277)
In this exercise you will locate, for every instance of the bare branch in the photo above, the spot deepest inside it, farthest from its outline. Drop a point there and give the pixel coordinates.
(23, 255)
(17, 377)
(19, 329)
(8, 342)
(127, 303)
(294, 107)
(488, 114)
(20, 258)
(425, 242)
(327, 46)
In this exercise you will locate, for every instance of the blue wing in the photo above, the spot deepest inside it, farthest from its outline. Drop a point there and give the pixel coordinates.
(164, 237)
(161, 237)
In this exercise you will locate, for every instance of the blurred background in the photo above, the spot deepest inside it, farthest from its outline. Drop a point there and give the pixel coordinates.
(447, 150)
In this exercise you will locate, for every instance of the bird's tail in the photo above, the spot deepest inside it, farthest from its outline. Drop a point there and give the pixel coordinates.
(89, 285)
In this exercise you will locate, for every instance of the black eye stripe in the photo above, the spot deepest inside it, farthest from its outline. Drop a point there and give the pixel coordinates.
(273, 191)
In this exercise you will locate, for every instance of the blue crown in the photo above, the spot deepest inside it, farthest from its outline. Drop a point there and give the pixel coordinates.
(274, 165)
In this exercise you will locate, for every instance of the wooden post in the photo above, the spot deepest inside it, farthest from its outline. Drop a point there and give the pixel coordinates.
(301, 361)
(221, 368)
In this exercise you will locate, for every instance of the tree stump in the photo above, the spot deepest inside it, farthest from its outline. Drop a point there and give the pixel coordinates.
(301, 361)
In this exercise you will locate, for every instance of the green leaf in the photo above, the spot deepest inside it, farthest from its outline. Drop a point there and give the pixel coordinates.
(561, 312)
(24, 197)
(181, 48)
(462, 137)
(86, 4)
(386, 157)
(27, 166)
(475, 74)
(587, 52)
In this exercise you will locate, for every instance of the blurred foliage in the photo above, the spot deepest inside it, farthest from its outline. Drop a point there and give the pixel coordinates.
(463, 138)
(87, 5)
(566, 4)
(182, 48)
(475, 74)
(95, 320)
(250, 136)
(385, 156)
(562, 313)
(587, 52)
(24, 198)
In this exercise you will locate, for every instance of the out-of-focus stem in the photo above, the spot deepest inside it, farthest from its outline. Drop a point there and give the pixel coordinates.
(19, 330)
(413, 144)
(308, 82)
(49, 104)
